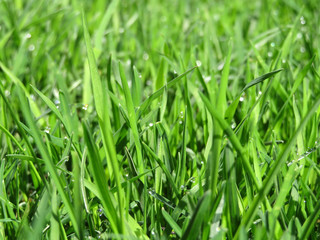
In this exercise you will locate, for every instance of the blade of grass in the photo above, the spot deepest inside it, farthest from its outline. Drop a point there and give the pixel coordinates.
(104, 122)
(47, 159)
(233, 139)
(132, 118)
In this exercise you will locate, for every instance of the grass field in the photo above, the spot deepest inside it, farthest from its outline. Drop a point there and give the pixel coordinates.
(159, 119)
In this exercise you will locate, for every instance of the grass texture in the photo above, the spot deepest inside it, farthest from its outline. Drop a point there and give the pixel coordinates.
(159, 119)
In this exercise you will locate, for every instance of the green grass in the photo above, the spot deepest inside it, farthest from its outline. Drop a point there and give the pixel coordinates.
(159, 119)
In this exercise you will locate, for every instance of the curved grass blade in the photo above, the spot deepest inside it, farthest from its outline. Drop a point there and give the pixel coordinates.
(35, 132)
(267, 183)
(233, 106)
(163, 167)
(132, 118)
(100, 99)
(100, 180)
(309, 224)
(194, 226)
(172, 223)
(158, 93)
(232, 137)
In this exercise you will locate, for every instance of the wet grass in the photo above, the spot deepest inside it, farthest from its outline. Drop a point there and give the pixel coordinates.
(159, 120)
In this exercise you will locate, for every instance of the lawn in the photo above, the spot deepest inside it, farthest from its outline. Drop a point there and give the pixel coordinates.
(159, 119)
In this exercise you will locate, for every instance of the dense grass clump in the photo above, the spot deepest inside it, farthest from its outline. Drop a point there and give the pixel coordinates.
(159, 119)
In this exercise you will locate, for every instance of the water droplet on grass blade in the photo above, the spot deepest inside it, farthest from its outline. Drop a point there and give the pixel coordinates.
(207, 78)
(150, 124)
(85, 107)
(272, 44)
(32, 97)
(145, 56)
(47, 129)
(198, 62)
(27, 36)
(302, 20)
(31, 48)
(299, 35)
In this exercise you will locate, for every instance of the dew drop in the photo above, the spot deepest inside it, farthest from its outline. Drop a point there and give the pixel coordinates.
(85, 107)
(284, 61)
(180, 122)
(207, 79)
(202, 162)
(175, 72)
(145, 56)
(31, 48)
(128, 62)
(220, 66)
(260, 92)
(27, 36)
(272, 44)
(302, 20)
(198, 62)
(32, 97)
(7, 93)
(302, 49)
(270, 54)
(150, 124)
(47, 129)
(241, 99)
(182, 187)
(299, 35)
